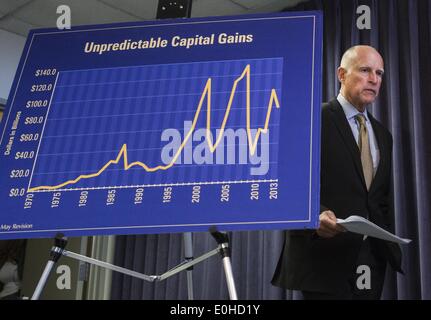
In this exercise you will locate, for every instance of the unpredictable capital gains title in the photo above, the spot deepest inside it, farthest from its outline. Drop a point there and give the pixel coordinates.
(176, 41)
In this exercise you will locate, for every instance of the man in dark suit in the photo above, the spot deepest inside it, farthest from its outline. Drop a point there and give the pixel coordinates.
(356, 157)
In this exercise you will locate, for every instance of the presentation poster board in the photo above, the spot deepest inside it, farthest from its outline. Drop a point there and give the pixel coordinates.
(164, 126)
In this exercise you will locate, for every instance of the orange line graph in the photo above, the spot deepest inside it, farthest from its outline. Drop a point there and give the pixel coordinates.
(252, 142)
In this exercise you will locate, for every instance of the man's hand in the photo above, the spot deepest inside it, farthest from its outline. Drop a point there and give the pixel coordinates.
(328, 226)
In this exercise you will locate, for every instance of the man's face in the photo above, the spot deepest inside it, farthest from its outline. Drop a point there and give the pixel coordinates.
(361, 80)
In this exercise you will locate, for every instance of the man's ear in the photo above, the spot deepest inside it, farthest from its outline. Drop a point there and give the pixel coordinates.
(341, 73)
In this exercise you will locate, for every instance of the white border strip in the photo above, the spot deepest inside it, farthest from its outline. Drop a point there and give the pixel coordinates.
(175, 24)
(160, 226)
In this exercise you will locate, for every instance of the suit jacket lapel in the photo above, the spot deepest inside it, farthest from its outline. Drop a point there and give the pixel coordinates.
(346, 132)
(383, 149)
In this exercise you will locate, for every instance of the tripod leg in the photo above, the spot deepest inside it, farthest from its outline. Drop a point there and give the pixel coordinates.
(56, 252)
(188, 253)
(42, 280)
(229, 278)
(223, 242)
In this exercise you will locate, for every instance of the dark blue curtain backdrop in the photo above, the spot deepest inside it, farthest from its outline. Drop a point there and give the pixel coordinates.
(401, 31)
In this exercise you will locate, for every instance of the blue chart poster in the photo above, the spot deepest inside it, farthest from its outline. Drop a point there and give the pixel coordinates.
(164, 126)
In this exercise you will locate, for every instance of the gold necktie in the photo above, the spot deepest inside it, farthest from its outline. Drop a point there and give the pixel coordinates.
(364, 147)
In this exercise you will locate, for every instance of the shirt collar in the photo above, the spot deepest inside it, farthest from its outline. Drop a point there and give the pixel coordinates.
(349, 110)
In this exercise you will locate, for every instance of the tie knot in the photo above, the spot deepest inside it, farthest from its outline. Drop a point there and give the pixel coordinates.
(360, 118)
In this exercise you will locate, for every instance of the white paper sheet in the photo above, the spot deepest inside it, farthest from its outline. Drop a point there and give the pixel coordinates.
(361, 225)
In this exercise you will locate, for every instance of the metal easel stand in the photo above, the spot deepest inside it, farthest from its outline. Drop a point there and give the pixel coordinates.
(188, 256)
(223, 248)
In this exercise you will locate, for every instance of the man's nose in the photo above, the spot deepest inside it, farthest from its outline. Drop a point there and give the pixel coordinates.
(373, 77)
